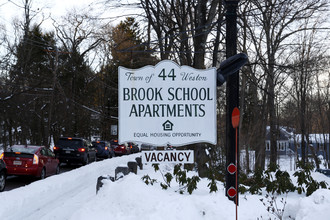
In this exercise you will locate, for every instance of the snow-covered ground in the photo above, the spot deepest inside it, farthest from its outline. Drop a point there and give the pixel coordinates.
(72, 195)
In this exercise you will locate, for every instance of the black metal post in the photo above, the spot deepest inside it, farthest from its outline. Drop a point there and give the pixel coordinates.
(232, 94)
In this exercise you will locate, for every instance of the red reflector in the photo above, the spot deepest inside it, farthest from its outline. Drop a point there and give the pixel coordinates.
(231, 192)
(81, 149)
(231, 168)
(55, 148)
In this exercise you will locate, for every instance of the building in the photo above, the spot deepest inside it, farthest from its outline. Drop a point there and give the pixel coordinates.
(284, 136)
(318, 143)
(289, 143)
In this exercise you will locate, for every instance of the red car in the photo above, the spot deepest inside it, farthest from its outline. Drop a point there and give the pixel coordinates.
(28, 160)
(120, 149)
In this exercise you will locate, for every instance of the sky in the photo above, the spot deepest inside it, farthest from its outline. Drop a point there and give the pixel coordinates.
(50, 10)
(10, 9)
(13, 8)
(72, 196)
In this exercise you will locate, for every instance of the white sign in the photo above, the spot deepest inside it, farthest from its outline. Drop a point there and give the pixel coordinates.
(167, 104)
(168, 156)
(114, 129)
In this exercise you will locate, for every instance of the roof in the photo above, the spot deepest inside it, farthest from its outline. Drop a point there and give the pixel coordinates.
(284, 134)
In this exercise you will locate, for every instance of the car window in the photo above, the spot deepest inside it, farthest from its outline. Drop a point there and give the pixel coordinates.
(50, 153)
(43, 152)
(23, 149)
(69, 143)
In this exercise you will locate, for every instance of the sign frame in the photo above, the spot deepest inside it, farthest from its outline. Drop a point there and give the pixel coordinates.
(149, 96)
(168, 156)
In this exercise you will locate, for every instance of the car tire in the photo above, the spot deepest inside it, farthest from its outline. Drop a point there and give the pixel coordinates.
(2, 181)
(57, 171)
(43, 173)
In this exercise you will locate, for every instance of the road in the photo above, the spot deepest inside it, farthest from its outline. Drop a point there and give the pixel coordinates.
(14, 182)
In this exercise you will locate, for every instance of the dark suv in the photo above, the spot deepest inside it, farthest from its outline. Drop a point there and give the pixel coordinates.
(74, 150)
(103, 149)
(3, 174)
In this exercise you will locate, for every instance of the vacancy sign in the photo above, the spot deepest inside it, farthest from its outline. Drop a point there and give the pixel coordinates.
(168, 156)
(167, 104)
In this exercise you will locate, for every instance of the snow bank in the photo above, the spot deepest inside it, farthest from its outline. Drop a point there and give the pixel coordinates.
(72, 196)
(316, 206)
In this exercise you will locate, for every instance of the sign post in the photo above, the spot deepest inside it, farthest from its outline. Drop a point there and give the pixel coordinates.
(235, 123)
(167, 104)
(232, 92)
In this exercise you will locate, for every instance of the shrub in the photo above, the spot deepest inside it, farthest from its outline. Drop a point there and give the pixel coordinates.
(305, 181)
(257, 182)
(270, 202)
(281, 183)
(275, 181)
(185, 183)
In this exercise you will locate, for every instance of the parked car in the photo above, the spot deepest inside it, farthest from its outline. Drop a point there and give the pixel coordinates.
(169, 147)
(324, 171)
(3, 174)
(120, 149)
(134, 147)
(147, 147)
(74, 150)
(30, 160)
(103, 149)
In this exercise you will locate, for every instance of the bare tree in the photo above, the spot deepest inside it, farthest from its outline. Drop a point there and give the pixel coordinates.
(323, 108)
(252, 99)
(307, 57)
(183, 28)
(275, 23)
(78, 37)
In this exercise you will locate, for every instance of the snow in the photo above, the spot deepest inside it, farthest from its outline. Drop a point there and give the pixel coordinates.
(72, 195)
(314, 138)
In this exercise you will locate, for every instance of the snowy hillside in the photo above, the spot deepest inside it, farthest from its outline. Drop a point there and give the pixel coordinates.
(72, 195)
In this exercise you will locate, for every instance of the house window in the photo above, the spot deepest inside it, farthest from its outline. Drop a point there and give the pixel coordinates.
(267, 146)
(281, 146)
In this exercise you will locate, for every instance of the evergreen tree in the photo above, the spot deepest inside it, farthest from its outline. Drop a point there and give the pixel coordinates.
(30, 81)
(127, 49)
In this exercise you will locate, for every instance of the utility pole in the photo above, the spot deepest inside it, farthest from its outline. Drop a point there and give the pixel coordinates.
(232, 101)
(51, 104)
